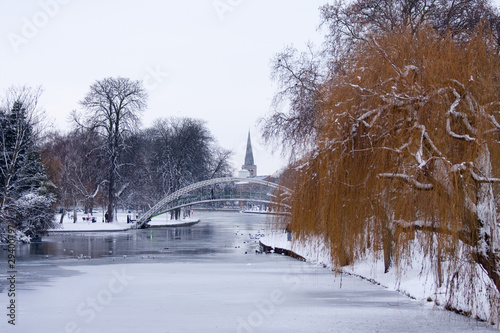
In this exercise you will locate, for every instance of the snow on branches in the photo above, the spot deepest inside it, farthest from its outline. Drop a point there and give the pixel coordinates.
(407, 131)
(25, 193)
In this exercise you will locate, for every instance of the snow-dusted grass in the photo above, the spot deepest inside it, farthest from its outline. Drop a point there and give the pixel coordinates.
(121, 225)
(90, 227)
(87, 225)
(417, 280)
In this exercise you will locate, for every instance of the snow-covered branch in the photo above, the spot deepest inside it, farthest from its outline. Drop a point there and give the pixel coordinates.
(481, 179)
(93, 195)
(431, 144)
(452, 112)
(468, 166)
(431, 226)
(407, 179)
(494, 121)
(123, 188)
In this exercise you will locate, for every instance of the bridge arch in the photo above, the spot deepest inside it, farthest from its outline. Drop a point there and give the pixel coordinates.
(163, 205)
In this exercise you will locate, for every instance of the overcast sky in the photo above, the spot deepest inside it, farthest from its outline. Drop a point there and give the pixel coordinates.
(207, 59)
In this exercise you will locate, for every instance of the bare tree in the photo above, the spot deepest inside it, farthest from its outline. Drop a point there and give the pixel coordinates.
(349, 23)
(220, 166)
(173, 153)
(409, 150)
(300, 76)
(405, 146)
(74, 162)
(113, 106)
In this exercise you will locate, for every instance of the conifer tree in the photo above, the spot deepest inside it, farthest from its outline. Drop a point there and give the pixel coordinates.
(26, 195)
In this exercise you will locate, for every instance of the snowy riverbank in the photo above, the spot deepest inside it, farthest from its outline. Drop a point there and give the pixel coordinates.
(86, 225)
(184, 222)
(417, 281)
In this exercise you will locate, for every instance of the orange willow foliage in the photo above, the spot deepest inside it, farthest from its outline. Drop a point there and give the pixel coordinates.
(408, 132)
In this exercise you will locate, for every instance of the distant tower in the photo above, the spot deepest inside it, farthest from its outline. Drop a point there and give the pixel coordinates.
(249, 163)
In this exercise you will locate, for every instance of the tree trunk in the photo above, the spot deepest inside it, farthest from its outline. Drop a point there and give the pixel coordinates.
(488, 230)
(111, 198)
(388, 249)
(62, 215)
(487, 233)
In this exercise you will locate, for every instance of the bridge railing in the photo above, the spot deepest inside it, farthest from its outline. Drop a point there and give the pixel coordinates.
(185, 195)
(242, 196)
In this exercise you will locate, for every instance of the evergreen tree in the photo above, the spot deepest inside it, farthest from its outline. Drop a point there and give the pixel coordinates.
(26, 196)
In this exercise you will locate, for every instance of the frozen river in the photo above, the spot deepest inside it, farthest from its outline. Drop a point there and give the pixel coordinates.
(204, 278)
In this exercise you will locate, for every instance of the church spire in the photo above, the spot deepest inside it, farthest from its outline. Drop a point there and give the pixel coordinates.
(249, 162)
(249, 153)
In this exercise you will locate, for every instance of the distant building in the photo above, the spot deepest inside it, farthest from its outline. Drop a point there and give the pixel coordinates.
(249, 165)
(249, 170)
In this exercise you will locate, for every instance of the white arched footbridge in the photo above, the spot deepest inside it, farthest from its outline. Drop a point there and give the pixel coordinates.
(182, 197)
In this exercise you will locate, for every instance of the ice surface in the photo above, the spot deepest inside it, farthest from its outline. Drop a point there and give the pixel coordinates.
(416, 279)
(234, 290)
(270, 295)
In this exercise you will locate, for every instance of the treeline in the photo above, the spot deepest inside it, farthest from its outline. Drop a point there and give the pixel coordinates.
(155, 162)
(107, 160)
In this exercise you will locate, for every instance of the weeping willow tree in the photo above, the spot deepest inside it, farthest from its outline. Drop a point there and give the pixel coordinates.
(407, 153)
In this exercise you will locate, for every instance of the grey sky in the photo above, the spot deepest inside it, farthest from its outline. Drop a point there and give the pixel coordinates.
(206, 59)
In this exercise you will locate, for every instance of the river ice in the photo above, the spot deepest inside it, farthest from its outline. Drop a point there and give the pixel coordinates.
(223, 291)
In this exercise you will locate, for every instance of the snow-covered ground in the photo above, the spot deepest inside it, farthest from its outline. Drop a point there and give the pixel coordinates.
(416, 281)
(165, 220)
(87, 225)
